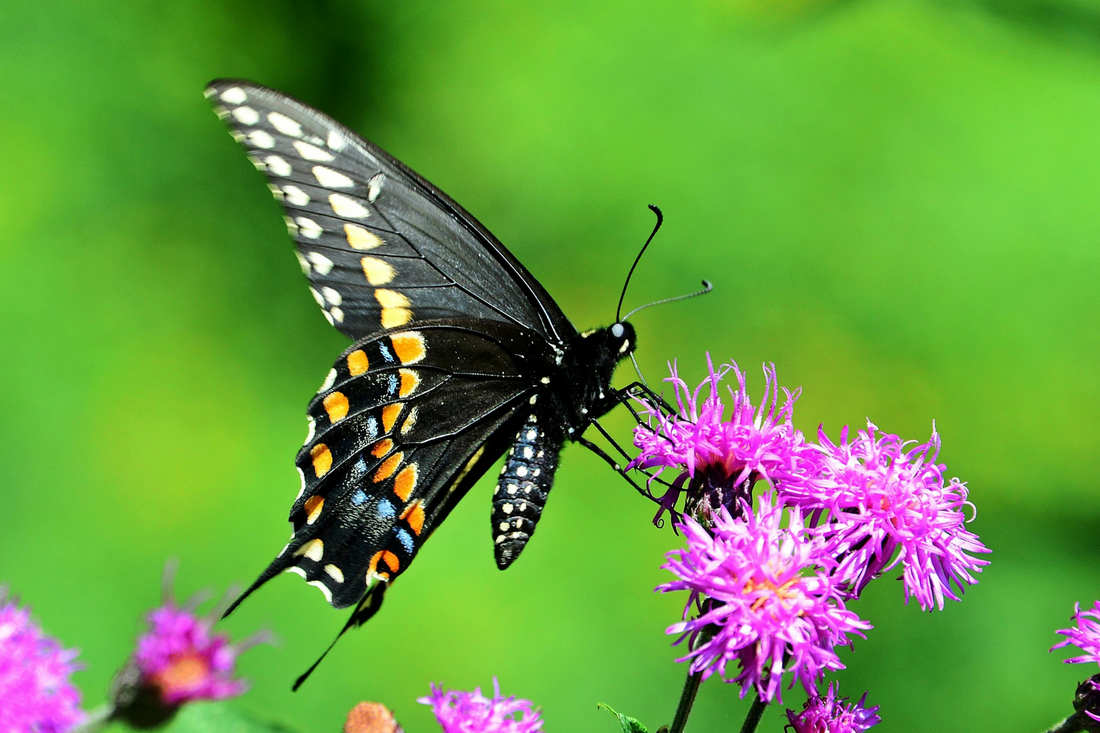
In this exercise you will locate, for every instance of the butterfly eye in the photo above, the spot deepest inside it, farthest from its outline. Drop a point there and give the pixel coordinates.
(617, 330)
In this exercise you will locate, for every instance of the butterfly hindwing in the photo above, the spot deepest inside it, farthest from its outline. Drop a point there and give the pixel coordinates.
(381, 246)
(393, 432)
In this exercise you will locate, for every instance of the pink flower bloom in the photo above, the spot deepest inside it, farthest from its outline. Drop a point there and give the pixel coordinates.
(889, 504)
(36, 695)
(833, 715)
(1086, 637)
(472, 712)
(179, 660)
(721, 458)
(761, 594)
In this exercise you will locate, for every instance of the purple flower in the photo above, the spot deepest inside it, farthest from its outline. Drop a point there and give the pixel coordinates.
(721, 458)
(36, 695)
(472, 712)
(177, 661)
(1085, 635)
(833, 715)
(762, 594)
(889, 504)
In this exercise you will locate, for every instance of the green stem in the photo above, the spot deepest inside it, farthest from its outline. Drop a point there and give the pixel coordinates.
(687, 698)
(96, 719)
(1072, 724)
(755, 713)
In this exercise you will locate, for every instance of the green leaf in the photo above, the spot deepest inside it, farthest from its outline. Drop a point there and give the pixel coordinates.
(220, 718)
(629, 725)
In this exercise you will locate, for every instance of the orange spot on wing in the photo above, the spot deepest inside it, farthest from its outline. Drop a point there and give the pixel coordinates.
(389, 415)
(391, 560)
(388, 467)
(322, 459)
(405, 482)
(372, 568)
(378, 272)
(414, 515)
(313, 507)
(410, 421)
(409, 346)
(357, 363)
(360, 238)
(410, 380)
(394, 317)
(336, 405)
(382, 447)
(395, 308)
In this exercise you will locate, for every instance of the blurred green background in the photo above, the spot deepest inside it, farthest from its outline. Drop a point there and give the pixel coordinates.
(895, 199)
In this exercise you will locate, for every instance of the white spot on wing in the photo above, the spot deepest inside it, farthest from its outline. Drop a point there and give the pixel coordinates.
(302, 262)
(336, 141)
(312, 152)
(344, 206)
(296, 570)
(322, 264)
(330, 178)
(246, 115)
(295, 196)
(331, 295)
(312, 230)
(337, 314)
(323, 588)
(317, 297)
(262, 139)
(284, 124)
(277, 165)
(330, 379)
(301, 490)
(335, 573)
(374, 187)
(234, 95)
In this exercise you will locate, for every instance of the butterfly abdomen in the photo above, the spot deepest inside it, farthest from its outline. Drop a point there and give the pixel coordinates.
(524, 484)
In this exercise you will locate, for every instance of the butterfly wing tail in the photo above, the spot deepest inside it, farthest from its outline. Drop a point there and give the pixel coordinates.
(363, 613)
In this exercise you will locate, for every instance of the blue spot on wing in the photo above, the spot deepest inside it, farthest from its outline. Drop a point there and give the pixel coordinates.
(385, 509)
(406, 540)
(358, 498)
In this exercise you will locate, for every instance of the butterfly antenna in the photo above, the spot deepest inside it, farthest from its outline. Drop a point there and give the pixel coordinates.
(707, 287)
(660, 220)
(638, 370)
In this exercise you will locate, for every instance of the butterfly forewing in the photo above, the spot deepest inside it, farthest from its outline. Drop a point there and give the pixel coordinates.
(381, 246)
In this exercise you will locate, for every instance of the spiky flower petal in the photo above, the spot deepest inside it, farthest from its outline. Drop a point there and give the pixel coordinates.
(720, 458)
(472, 712)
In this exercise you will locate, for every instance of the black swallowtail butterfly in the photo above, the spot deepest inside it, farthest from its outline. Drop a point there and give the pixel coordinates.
(460, 355)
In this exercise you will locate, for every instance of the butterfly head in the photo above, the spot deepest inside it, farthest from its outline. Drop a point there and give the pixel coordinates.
(621, 339)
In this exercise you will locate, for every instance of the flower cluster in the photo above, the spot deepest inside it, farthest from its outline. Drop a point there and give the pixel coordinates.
(872, 502)
(760, 593)
(36, 695)
(831, 714)
(472, 712)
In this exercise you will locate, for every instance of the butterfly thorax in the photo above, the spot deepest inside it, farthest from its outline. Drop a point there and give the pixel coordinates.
(587, 368)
